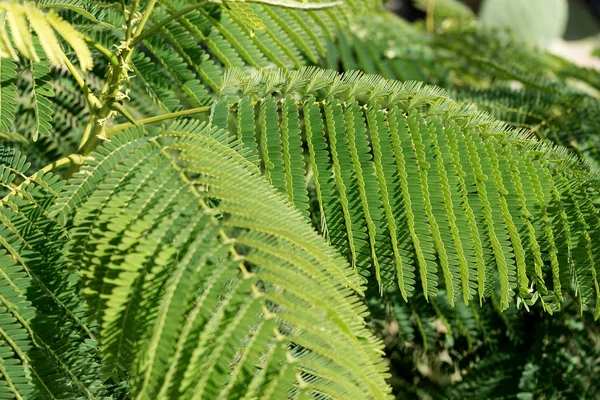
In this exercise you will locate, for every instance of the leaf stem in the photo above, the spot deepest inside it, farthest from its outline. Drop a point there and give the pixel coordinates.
(87, 132)
(103, 50)
(145, 17)
(430, 16)
(92, 100)
(140, 36)
(121, 127)
(130, 20)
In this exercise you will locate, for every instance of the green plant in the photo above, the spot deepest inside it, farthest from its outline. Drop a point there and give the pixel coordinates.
(178, 261)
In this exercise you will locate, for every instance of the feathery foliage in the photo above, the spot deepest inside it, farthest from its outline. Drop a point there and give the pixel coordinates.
(179, 261)
(406, 160)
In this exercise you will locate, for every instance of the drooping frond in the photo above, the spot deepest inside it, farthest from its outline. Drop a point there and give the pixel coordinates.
(205, 283)
(423, 189)
(557, 99)
(386, 45)
(48, 349)
(23, 19)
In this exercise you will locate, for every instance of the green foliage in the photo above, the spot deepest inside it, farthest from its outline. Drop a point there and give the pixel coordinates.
(297, 232)
(452, 181)
(196, 325)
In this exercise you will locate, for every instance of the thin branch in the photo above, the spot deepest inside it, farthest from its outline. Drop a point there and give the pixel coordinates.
(92, 100)
(103, 50)
(87, 132)
(119, 108)
(140, 36)
(130, 20)
(111, 131)
(430, 16)
(145, 17)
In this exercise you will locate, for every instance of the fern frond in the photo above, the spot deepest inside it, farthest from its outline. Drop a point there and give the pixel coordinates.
(90, 10)
(461, 182)
(51, 338)
(199, 300)
(41, 91)
(292, 38)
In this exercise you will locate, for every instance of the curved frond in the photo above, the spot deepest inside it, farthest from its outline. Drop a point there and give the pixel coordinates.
(420, 186)
(185, 58)
(192, 266)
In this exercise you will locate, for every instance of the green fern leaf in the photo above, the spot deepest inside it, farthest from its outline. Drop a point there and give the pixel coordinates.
(8, 94)
(475, 219)
(47, 334)
(41, 92)
(246, 14)
(225, 305)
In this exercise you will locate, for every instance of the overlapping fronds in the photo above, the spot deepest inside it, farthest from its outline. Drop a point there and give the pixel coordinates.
(23, 19)
(462, 54)
(205, 283)
(386, 45)
(414, 187)
(47, 348)
(181, 63)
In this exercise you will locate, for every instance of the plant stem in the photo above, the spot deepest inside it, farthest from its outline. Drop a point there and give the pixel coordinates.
(430, 23)
(91, 99)
(130, 20)
(103, 50)
(76, 159)
(121, 127)
(119, 108)
(87, 132)
(145, 17)
(139, 36)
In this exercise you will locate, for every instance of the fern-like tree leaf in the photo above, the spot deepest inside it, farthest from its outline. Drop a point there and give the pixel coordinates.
(205, 282)
(461, 181)
(48, 348)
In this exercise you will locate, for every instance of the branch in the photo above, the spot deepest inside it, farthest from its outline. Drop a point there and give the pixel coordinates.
(121, 127)
(145, 17)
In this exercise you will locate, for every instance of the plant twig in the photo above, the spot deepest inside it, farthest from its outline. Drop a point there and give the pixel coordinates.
(145, 17)
(430, 17)
(130, 20)
(119, 108)
(121, 127)
(140, 36)
(103, 50)
(92, 100)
